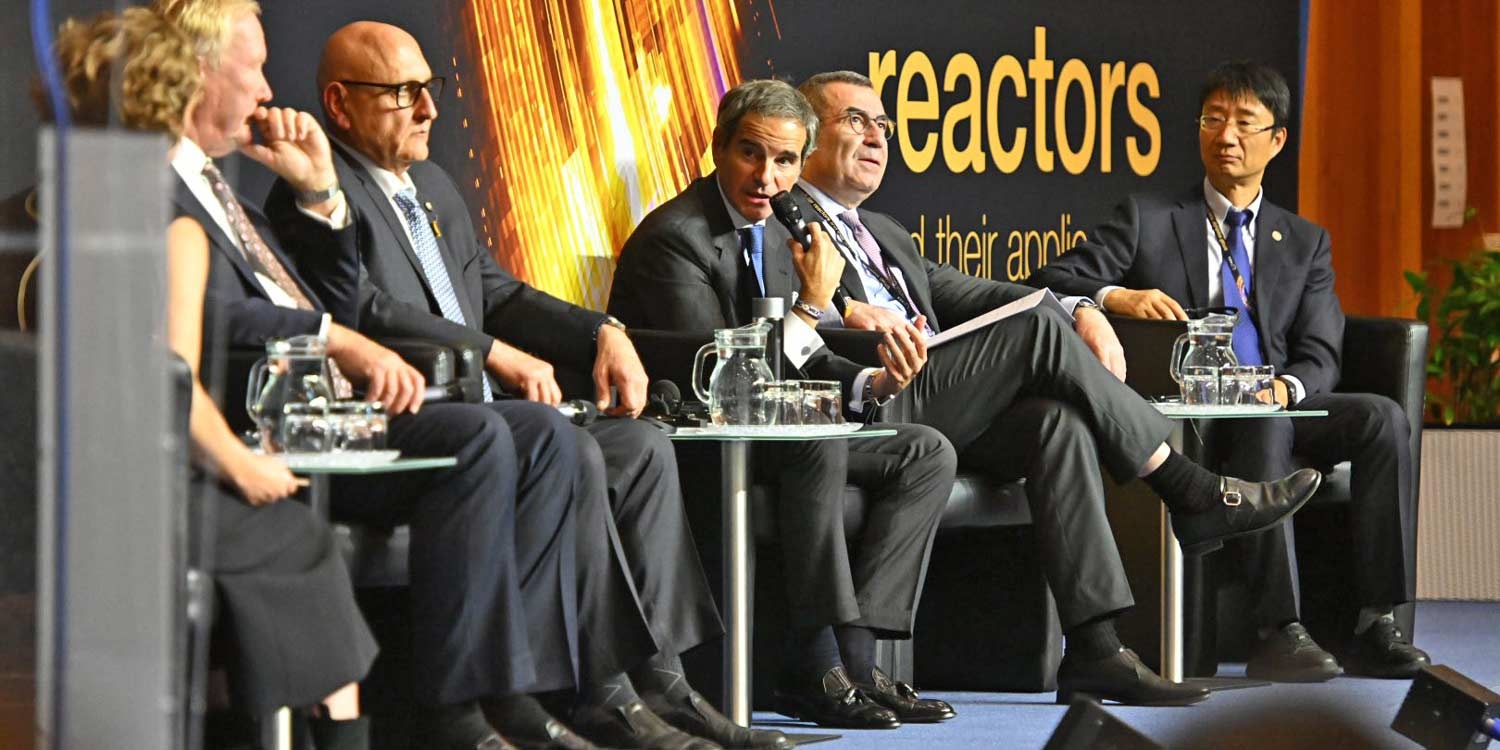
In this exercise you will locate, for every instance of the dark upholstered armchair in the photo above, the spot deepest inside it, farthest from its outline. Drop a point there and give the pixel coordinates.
(1385, 356)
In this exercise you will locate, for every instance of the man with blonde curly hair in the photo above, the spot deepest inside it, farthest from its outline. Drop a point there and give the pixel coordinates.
(286, 594)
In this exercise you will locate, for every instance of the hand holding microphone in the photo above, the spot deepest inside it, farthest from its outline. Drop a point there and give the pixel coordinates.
(819, 264)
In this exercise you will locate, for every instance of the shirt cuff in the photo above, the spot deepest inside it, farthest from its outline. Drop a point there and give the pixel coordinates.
(799, 340)
(1295, 390)
(856, 403)
(1071, 303)
(1104, 292)
(338, 219)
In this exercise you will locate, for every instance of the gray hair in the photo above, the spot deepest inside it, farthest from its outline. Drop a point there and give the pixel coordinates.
(769, 98)
(812, 88)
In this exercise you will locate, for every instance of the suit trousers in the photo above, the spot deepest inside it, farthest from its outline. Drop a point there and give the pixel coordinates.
(1026, 398)
(287, 600)
(493, 558)
(1372, 433)
(1048, 442)
(875, 579)
(642, 588)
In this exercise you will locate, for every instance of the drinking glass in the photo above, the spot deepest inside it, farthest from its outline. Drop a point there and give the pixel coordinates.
(1200, 385)
(359, 425)
(781, 403)
(305, 428)
(822, 402)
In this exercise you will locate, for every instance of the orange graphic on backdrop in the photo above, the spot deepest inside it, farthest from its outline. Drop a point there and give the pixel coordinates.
(584, 116)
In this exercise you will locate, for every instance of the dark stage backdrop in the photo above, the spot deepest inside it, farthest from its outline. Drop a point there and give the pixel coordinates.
(1020, 124)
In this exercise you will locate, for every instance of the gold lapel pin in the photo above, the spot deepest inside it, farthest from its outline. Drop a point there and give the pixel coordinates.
(1276, 234)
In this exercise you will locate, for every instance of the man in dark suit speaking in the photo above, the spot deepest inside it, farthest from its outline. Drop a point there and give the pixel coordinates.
(1222, 243)
(425, 274)
(1022, 398)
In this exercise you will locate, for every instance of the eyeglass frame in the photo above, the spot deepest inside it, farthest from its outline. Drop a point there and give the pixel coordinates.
(397, 88)
(1257, 130)
(886, 125)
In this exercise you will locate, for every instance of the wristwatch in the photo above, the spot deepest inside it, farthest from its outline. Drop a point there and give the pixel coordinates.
(868, 396)
(314, 197)
(1085, 302)
(807, 307)
(611, 321)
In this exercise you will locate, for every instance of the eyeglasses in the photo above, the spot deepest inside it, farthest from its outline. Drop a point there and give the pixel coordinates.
(860, 121)
(406, 93)
(1242, 128)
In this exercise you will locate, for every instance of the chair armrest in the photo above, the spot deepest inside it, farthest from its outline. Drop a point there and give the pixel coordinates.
(453, 371)
(1388, 356)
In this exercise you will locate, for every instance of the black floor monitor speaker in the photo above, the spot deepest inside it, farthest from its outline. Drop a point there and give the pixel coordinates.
(1087, 726)
(1445, 710)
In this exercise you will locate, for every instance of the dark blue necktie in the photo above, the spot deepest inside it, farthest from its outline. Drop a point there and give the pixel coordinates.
(1246, 336)
(753, 240)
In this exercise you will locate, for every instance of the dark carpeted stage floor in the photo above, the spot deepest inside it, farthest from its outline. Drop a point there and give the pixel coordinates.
(1343, 713)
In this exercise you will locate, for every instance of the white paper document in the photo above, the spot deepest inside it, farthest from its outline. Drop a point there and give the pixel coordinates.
(1450, 176)
(1040, 297)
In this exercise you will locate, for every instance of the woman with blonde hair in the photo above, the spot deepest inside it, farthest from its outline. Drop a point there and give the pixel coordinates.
(287, 596)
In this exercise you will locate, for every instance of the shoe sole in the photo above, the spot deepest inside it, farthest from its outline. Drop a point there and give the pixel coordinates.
(1066, 698)
(1296, 677)
(787, 707)
(1211, 545)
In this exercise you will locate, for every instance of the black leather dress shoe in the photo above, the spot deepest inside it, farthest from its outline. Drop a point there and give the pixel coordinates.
(833, 701)
(1122, 678)
(696, 716)
(558, 737)
(904, 701)
(1291, 655)
(1384, 651)
(633, 727)
(1244, 508)
(460, 727)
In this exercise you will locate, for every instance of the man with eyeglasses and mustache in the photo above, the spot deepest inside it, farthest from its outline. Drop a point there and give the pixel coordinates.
(1222, 243)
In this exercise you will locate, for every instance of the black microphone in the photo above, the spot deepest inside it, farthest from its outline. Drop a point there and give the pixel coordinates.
(790, 216)
(663, 399)
(579, 411)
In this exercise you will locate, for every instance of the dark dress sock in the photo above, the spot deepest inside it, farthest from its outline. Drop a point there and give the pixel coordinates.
(1184, 486)
(333, 734)
(663, 675)
(613, 691)
(812, 653)
(1093, 640)
(857, 649)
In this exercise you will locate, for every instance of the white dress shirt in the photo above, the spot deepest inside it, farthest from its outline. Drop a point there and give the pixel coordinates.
(189, 161)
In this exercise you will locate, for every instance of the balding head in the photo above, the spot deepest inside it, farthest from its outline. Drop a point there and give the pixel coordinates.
(369, 117)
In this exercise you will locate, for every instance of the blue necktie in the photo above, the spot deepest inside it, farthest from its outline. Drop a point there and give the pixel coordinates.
(1246, 336)
(753, 240)
(424, 242)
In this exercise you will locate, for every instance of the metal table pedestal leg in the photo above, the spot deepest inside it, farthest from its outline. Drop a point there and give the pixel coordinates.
(739, 561)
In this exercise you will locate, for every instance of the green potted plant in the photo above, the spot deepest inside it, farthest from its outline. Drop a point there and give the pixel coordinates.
(1465, 322)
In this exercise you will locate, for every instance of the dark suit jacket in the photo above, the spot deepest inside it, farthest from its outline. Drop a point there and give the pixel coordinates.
(1159, 243)
(236, 306)
(680, 270)
(946, 295)
(495, 304)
